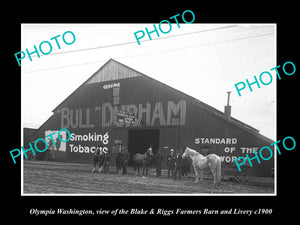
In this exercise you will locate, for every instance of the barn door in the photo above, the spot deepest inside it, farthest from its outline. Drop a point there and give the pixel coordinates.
(140, 140)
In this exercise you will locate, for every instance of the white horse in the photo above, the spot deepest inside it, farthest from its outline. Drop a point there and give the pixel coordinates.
(201, 162)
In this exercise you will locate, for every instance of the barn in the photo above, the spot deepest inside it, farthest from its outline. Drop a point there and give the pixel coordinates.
(119, 106)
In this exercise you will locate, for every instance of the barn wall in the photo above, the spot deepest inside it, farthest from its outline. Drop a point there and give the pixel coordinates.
(91, 114)
(208, 133)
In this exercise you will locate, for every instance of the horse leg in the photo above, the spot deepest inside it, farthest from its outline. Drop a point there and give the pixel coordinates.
(100, 165)
(201, 175)
(214, 182)
(214, 174)
(196, 174)
(135, 166)
(213, 171)
(95, 164)
(145, 170)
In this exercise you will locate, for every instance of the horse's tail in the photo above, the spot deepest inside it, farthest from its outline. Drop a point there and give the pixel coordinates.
(218, 170)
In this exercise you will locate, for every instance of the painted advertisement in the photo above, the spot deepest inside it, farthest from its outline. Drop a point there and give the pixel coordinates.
(127, 118)
(89, 143)
(59, 145)
(231, 148)
(108, 115)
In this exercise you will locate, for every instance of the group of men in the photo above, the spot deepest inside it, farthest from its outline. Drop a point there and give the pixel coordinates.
(103, 160)
(177, 166)
(122, 159)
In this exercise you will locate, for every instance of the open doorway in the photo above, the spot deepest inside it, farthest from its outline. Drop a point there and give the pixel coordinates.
(139, 140)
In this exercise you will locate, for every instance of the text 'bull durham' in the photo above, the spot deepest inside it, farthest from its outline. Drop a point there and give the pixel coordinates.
(150, 114)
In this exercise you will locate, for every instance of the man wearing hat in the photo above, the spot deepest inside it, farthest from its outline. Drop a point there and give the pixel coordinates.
(119, 159)
(97, 158)
(178, 166)
(125, 159)
(171, 163)
(158, 162)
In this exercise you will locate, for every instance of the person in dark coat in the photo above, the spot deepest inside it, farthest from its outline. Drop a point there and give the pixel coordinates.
(106, 162)
(171, 163)
(96, 158)
(125, 159)
(158, 162)
(178, 166)
(119, 161)
(185, 167)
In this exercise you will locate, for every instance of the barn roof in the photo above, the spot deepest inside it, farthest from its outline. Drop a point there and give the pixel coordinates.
(114, 70)
(111, 70)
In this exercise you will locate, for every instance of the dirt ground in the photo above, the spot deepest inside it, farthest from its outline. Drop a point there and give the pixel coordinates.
(47, 177)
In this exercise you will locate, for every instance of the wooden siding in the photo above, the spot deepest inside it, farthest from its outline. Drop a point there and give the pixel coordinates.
(112, 71)
(134, 88)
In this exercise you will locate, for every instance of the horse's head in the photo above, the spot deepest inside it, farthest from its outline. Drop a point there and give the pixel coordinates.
(185, 153)
(149, 156)
(149, 152)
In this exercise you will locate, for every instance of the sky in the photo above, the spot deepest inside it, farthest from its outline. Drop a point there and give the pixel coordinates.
(202, 60)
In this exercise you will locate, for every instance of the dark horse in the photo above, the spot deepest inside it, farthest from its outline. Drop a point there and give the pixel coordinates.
(142, 160)
(103, 158)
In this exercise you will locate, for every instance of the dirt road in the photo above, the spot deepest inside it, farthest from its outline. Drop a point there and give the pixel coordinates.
(42, 177)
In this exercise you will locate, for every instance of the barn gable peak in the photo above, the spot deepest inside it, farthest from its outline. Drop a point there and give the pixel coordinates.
(112, 70)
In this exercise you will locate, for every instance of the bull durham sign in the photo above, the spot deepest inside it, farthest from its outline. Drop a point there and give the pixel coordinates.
(155, 114)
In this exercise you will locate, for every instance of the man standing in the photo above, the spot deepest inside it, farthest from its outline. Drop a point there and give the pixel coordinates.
(106, 161)
(125, 159)
(119, 161)
(185, 167)
(171, 163)
(158, 162)
(178, 166)
(97, 159)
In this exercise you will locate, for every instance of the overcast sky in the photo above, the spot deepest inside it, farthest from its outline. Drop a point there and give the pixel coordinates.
(203, 64)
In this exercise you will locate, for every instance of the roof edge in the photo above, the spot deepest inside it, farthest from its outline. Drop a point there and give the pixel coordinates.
(83, 83)
(203, 105)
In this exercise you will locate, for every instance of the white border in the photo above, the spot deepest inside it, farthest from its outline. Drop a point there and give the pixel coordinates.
(171, 194)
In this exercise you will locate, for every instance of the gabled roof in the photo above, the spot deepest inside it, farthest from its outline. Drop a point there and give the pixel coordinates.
(111, 70)
(114, 70)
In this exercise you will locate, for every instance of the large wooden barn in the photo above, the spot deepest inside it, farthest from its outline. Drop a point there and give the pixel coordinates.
(118, 105)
